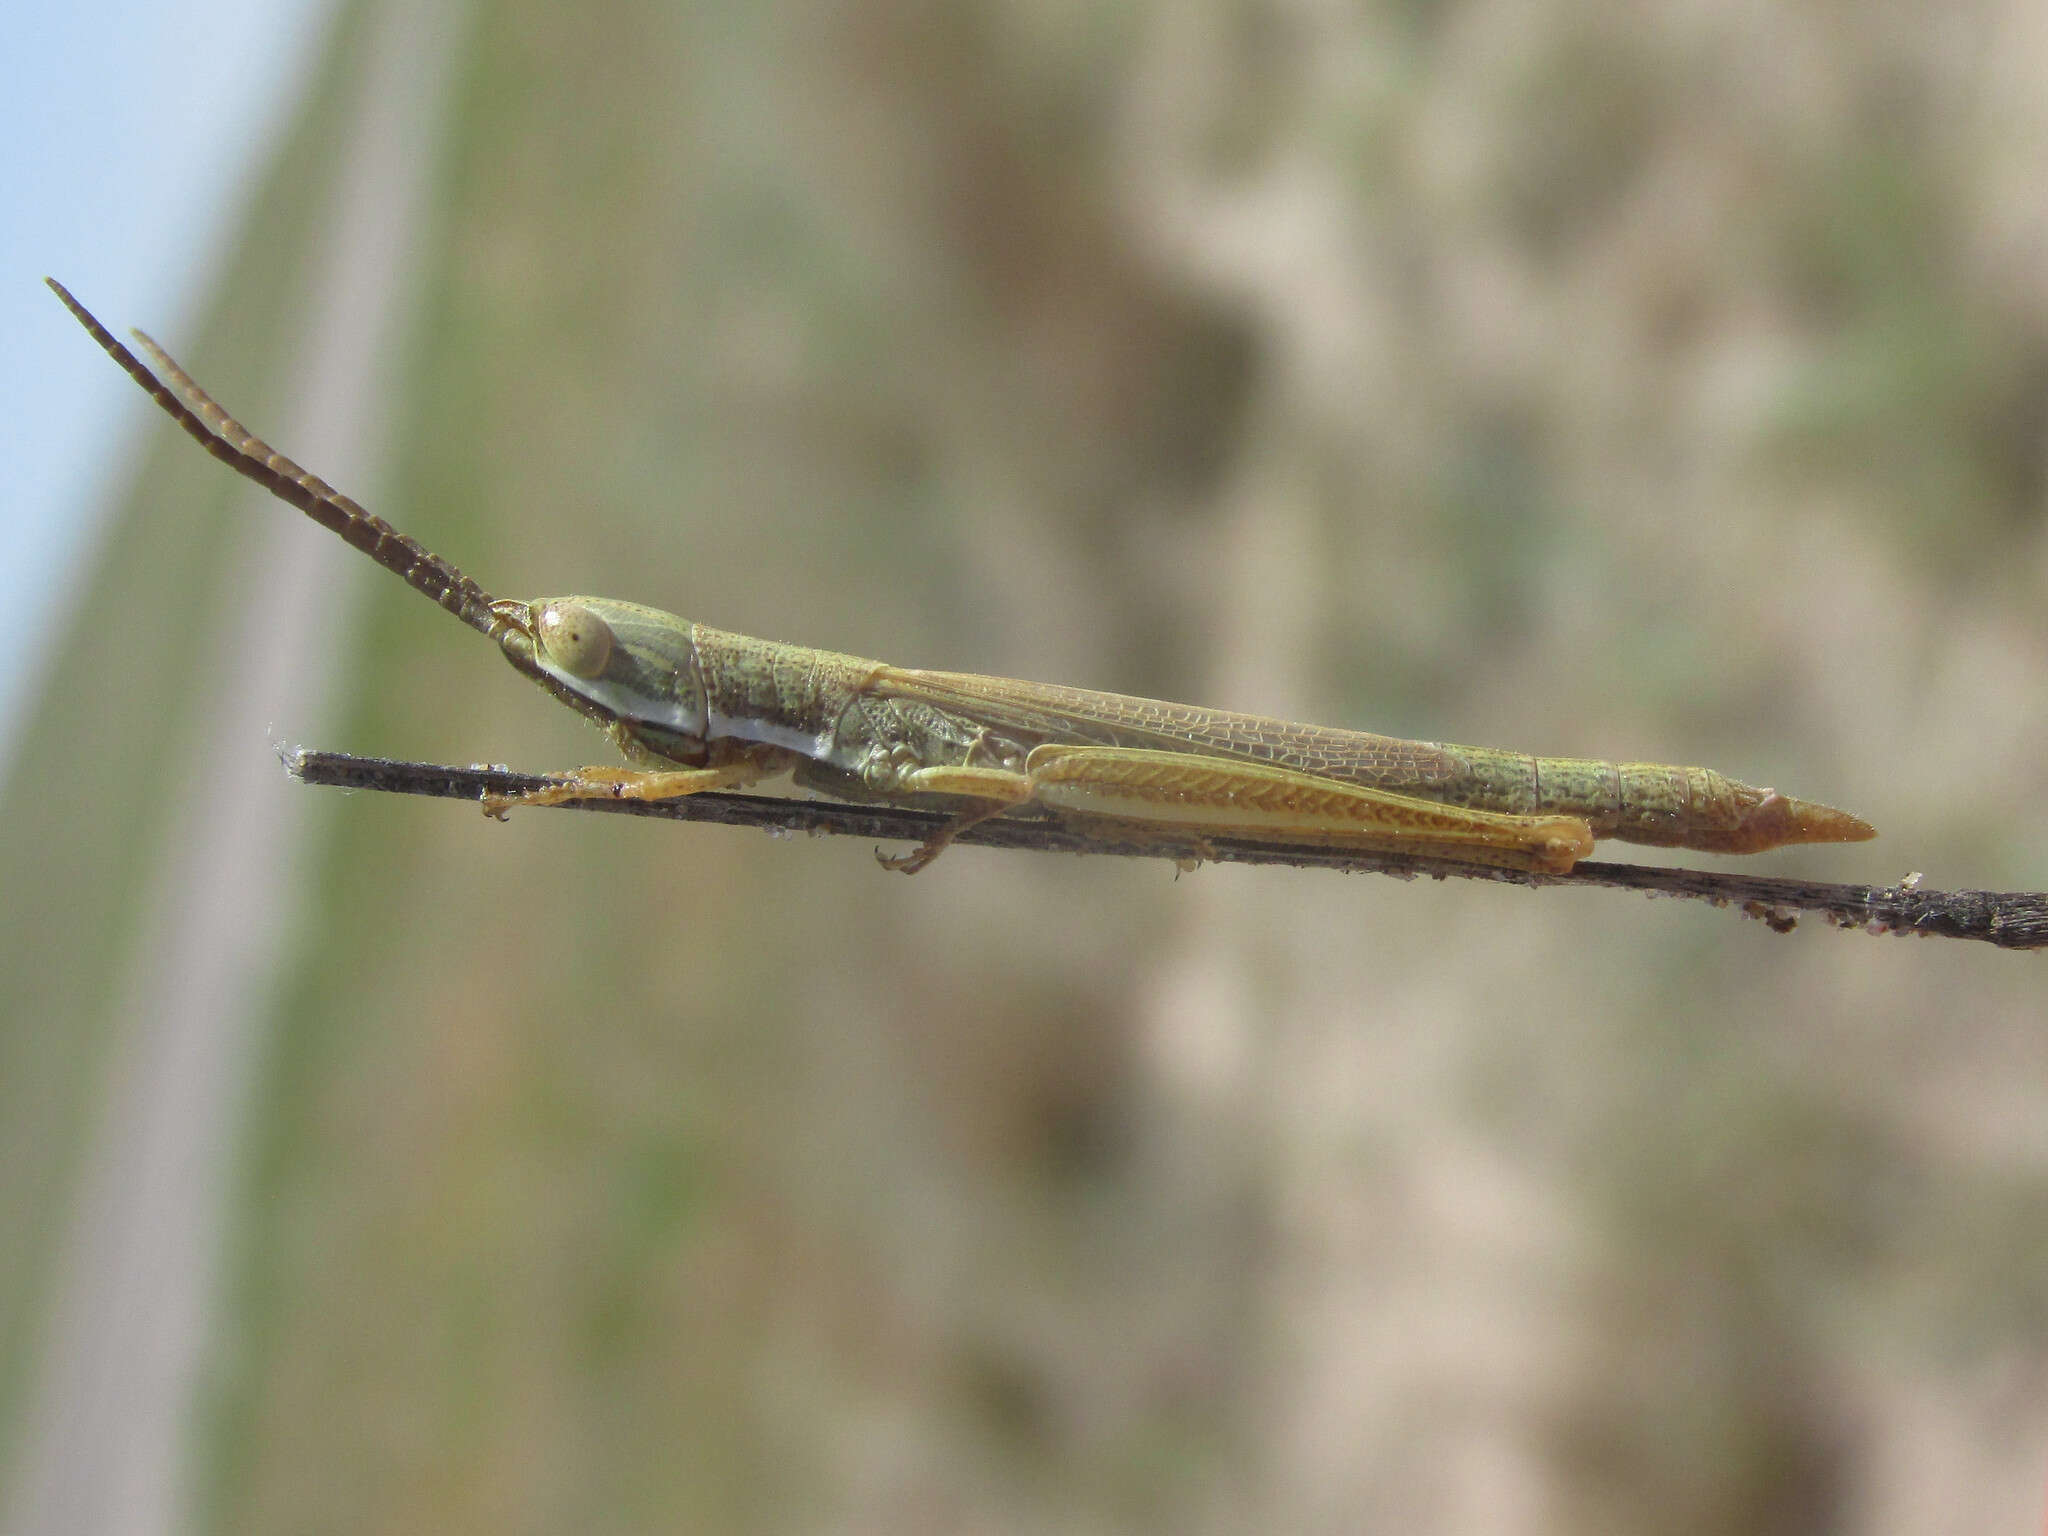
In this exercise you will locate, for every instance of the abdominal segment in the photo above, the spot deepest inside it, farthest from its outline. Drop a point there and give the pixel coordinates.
(1662, 805)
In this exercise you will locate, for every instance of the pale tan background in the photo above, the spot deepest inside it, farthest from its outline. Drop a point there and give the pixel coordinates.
(1651, 381)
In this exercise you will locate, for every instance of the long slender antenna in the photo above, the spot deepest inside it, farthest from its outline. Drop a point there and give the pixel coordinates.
(235, 446)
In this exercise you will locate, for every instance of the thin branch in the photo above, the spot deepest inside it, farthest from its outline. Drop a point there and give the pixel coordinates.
(2011, 920)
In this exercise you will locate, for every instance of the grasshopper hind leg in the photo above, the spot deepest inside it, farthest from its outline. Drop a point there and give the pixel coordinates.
(1183, 796)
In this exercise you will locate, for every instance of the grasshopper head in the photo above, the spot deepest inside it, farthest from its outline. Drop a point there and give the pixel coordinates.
(630, 668)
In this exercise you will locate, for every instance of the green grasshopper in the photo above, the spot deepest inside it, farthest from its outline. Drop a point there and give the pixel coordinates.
(696, 708)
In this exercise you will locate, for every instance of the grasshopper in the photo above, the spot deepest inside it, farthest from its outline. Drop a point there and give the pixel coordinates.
(695, 708)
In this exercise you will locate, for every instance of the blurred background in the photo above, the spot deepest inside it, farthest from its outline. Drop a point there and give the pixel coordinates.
(1662, 381)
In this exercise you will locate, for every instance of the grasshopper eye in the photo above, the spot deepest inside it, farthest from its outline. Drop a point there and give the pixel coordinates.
(576, 639)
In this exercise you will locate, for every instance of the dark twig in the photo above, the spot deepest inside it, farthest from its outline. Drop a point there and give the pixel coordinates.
(2012, 920)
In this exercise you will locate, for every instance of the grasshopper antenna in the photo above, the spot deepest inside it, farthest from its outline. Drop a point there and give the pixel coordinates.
(248, 455)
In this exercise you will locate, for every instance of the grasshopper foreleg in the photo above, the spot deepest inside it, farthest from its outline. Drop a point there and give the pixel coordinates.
(626, 784)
